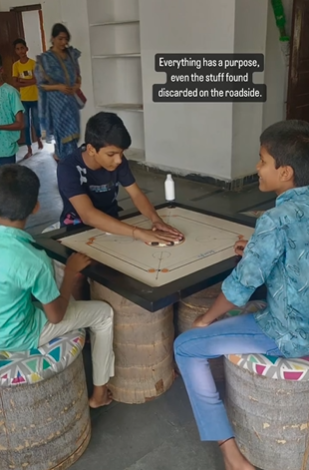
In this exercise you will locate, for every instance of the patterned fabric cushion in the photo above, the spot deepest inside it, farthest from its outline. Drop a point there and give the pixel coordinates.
(273, 367)
(269, 366)
(32, 366)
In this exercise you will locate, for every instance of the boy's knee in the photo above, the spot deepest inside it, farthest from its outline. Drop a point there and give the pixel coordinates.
(104, 310)
(181, 342)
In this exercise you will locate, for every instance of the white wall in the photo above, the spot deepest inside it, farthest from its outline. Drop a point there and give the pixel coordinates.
(191, 137)
(250, 38)
(31, 22)
(219, 140)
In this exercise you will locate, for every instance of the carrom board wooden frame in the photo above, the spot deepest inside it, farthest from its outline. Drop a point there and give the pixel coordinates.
(149, 298)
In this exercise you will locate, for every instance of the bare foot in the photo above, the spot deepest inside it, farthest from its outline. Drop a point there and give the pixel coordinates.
(244, 466)
(233, 458)
(28, 154)
(101, 397)
(40, 144)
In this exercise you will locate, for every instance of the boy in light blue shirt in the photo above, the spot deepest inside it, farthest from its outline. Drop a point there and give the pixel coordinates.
(277, 255)
(11, 120)
(26, 272)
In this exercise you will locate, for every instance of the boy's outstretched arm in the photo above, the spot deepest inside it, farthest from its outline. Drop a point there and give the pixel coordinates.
(98, 219)
(220, 307)
(260, 255)
(145, 207)
(56, 309)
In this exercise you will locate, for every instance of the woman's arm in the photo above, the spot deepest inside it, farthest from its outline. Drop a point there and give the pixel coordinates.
(50, 87)
(60, 87)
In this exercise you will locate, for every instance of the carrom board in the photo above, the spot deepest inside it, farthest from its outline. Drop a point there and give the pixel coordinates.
(150, 276)
(208, 240)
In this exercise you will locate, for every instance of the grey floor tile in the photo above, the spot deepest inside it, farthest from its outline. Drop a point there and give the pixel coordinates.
(124, 434)
(183, 451)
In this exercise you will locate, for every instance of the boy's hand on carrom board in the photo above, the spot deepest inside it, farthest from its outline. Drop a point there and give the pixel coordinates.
(240, 245)
(150, 236)
(77, 262)
(163, 227)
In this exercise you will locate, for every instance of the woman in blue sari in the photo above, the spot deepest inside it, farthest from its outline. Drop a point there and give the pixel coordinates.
(58, 78)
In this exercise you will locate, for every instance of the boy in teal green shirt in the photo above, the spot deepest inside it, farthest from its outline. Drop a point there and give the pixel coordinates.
(26, 272)
(11, 121)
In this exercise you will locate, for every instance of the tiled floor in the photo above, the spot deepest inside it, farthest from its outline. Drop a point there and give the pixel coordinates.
(161, 434)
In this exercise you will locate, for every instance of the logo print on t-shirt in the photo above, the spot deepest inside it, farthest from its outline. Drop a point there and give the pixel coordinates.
(82, 171)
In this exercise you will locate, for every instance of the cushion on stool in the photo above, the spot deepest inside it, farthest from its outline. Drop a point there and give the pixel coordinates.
(268, 366)
(272, 366)
(35, 365)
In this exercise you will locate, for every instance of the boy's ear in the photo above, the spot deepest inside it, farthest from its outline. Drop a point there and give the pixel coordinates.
(287, 173)
(36, 208)
(91, 150)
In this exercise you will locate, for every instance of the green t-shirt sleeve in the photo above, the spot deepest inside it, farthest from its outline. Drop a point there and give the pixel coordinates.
(16, 104)
(44, 287)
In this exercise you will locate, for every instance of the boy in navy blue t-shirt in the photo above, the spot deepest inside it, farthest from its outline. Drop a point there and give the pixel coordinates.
(89, 182)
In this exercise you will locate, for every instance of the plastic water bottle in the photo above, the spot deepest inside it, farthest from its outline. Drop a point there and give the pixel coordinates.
(169, 187)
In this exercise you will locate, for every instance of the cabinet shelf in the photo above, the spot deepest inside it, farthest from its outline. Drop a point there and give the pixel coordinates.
(114, 32)
(129, 55)
(137, 108)
(111, 23)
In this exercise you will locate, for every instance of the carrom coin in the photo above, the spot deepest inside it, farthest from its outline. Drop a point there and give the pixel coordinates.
(165, 244)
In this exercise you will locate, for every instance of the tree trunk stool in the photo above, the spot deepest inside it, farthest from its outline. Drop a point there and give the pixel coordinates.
(143, 346)
(44, 412)
(268, 406)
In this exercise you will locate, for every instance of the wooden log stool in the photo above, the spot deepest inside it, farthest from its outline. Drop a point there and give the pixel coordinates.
(44, 412)
(189, 309)
(143, 346)
(267, 402)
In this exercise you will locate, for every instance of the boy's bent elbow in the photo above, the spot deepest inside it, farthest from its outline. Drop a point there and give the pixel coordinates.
(55, 319)
(88, 218)
(54, 311)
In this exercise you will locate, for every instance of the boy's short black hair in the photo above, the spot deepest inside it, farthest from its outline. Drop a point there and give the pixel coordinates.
(106, 129)
(19, 191)
(19, 41)
(288, 143)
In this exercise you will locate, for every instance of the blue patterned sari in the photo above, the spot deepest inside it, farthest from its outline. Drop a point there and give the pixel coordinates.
(59, 113)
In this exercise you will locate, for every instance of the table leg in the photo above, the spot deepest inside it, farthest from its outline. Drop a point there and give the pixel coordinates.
(143, 345)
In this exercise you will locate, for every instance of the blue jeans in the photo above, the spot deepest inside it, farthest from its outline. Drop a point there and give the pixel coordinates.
(236, 335)
(31, 117)
(7, 160)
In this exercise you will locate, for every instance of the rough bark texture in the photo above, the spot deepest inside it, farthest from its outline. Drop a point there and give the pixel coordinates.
(270, 418)
(45, 426)
(143, 345)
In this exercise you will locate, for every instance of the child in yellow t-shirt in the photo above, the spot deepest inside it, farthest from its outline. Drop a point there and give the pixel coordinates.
(24, 80)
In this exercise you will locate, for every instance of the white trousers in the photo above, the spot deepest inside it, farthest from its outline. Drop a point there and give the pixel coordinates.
(98, 317)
